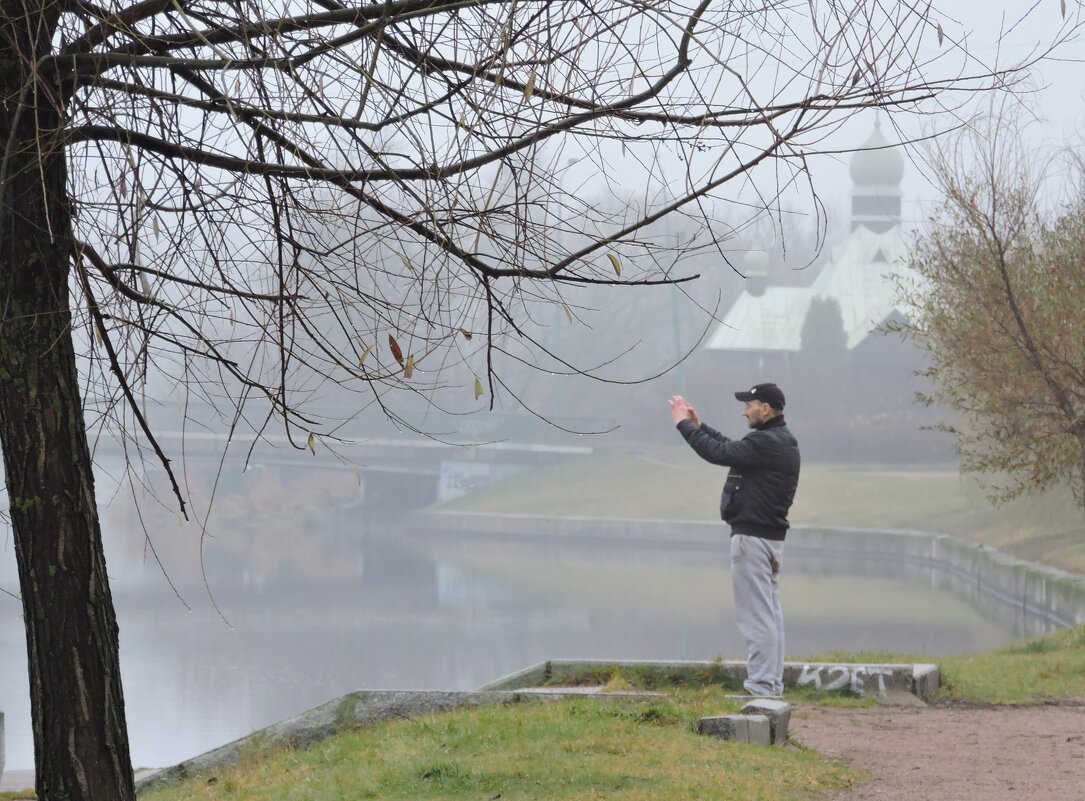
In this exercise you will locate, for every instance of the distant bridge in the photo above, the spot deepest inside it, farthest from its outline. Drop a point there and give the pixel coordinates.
(385, 465)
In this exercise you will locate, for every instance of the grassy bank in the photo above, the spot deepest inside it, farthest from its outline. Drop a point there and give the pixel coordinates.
(575, 749)
(672, 483)
(1037, 671)
(592, 748)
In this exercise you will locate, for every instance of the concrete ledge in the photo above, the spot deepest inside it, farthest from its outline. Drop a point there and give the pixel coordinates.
(921, 679)
(778, 713)
(925, 681)
(873, 679)
(532, 676)
(752, 729)
(763, 721)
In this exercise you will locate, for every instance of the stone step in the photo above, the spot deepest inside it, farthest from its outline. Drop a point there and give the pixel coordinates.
(763, 721)
(752, 729)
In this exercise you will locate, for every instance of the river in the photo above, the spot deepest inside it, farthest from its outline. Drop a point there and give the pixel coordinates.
(304, 607)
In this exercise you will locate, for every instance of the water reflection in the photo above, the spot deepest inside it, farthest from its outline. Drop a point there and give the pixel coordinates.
(319, 605)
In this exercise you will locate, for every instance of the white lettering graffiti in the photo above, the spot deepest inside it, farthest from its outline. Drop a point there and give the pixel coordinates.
(839, 677)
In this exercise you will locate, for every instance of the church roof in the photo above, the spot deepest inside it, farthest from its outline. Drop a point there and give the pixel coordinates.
(859, 276)
(771, 321)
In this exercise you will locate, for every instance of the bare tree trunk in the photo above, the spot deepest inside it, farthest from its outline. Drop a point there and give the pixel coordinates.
(80, 735)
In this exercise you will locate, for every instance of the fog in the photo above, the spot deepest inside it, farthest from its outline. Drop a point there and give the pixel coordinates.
(304, 575)
(309, 580)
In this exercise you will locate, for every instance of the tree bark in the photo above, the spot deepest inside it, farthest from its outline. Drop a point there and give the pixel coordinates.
(80, 734)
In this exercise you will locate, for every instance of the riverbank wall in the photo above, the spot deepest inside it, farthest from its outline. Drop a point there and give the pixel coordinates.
(979, 573)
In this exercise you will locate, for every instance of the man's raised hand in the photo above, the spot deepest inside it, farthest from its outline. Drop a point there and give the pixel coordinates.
(682, 410)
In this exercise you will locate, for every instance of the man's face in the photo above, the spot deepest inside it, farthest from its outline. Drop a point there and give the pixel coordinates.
(757, 412)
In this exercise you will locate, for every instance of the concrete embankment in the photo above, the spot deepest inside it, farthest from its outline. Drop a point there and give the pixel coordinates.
(970, 569)
(371, 706)
(879, 680)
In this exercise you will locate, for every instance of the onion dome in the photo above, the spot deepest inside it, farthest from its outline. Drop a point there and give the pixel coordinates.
(877, 164)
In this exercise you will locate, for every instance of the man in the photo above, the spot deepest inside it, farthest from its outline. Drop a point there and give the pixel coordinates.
(757, 495)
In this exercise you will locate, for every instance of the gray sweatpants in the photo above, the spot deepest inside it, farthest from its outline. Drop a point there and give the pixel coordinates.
(755, 582)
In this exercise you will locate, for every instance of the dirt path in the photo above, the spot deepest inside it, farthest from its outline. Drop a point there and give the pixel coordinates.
(953, 753)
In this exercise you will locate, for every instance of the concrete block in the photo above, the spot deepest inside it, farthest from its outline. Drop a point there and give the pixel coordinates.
(753, 729)
(778, 713)
(925, 681)
(723, 726)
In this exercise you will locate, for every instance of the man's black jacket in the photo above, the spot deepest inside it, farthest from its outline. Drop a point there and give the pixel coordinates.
(763, 477)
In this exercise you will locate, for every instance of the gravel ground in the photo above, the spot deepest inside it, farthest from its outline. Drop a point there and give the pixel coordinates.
(953, 753)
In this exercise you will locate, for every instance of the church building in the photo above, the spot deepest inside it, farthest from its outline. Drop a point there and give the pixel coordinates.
(850, 384)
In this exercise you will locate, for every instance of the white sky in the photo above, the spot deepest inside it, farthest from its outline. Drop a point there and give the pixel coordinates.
(1055, 108)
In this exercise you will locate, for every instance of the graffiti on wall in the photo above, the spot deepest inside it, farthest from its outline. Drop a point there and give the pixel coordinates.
(859, 679)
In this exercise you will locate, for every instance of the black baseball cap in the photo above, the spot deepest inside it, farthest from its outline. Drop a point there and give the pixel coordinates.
(767, 393)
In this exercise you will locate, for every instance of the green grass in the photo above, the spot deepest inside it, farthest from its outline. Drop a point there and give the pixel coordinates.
(1035, 671)
(607, 484)
(574, 749)
(670, 482)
